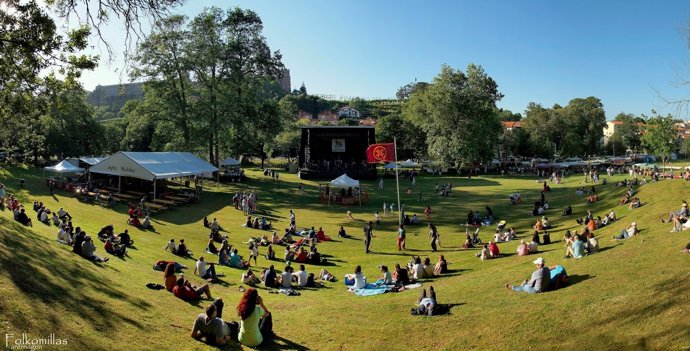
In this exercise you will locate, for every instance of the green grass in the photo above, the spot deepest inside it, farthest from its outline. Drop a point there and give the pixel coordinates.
(633, 295)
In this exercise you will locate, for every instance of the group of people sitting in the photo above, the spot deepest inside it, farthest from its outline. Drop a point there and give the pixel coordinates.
(471, 239)
(245, 201)
(679, 218)
(542, 279)
(288, 279)
(258, 223)
(596, 223)
(134, 213)
(81, 243)
(115, 244)
(578, 245)
(475, 219)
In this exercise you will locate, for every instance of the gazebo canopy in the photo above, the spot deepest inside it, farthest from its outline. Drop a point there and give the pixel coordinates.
(344, 182)
(64, 167)
(230, 161)
(153, 165)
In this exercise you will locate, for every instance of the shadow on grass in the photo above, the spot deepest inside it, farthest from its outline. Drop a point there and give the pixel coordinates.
(280, 343)
(40, 272)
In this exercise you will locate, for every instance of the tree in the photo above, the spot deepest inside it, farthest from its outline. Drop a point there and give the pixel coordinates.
(303, 89)
(411, 141)
(509, 116)
(585, 121)
(660, 136)
(546, 129)
(628, 131)
(615, 145)
(406, 91)
(458, 113)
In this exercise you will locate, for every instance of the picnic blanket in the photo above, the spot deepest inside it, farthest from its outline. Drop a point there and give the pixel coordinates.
(374, 289)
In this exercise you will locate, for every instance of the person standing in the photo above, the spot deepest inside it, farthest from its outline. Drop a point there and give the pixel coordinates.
(433, 234)
(401, 238)
(368, 234)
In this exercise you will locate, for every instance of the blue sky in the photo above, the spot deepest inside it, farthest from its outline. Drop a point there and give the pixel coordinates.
(543, 51)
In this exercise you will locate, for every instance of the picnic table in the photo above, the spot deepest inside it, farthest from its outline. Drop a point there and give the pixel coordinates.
(136, 193)
(126, 196)
(177, 198)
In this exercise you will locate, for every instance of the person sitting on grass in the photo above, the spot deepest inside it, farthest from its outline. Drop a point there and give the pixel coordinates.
(169, 276)
(627, 233)
(124, 239)
(359, 280)
(468, 242)
(269, 277)
(592, 243)
(428, 267)
(63, 235)
(88, 250)
(286, 278)
(538, 282)
(568, 211)
(301, 276)
(55, 219)
(484, 254)
(523, 248)
(401, 276)
(386, 276)
(211, 247)
(270, 254)
(215, 226)
(575, 249)
(146, 223)
(427, 305)
(207, 224)
(342, 233)
(416, 268)
(188, 292)
(182, 249)
(236, 260)
(170, 246)
(210, 326)
(114, 248)
(493, 250)
(545, 222)
(441, 266)
(250, 278)
(256, 325)
(206, 270)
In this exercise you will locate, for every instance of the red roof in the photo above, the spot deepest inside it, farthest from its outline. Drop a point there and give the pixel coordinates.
(511, 124)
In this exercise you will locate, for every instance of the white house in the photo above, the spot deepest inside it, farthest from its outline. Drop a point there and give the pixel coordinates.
(349, 112)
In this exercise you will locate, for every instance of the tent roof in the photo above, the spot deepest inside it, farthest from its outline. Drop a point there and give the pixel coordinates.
(230, 161)
(92, 160)
(153, 165)
(344, 182)
(64, 167)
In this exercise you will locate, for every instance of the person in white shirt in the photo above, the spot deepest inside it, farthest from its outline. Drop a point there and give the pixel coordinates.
(204, 269)
(171, 246)
(286, 278)
(301, 276)
(44, 217)
(386, 277)
(63, 235)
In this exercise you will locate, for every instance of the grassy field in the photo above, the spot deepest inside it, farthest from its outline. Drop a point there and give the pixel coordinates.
(632, 295)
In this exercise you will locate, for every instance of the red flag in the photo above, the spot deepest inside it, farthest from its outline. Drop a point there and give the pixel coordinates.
(381, 153)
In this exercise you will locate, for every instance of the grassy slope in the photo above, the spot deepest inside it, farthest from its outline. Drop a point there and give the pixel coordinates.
(633, 294)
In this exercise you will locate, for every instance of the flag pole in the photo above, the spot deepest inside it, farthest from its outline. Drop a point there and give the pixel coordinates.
(397, 180)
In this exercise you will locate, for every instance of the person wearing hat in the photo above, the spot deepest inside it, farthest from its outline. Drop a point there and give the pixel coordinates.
(682, 214)
(626, 233)
(539, 281)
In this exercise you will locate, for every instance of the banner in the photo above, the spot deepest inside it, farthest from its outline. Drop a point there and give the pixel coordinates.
(381, 153)
(337, 145)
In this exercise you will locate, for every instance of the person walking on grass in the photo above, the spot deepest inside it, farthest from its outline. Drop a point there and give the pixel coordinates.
(368, 234)
(433, 234)
(401, 238)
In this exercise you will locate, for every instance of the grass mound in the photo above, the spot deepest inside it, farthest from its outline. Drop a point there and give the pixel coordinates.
(632, 295)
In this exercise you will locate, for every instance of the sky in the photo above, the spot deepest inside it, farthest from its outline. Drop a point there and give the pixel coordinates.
(626, 53)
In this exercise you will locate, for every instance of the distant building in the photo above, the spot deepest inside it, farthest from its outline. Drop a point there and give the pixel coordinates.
(349, 112)
(610, 129)
(510, 125)
(328, 115)
(369, 122)
(284, 82)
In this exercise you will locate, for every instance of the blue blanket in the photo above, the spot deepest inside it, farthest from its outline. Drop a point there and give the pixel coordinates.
(374, 289)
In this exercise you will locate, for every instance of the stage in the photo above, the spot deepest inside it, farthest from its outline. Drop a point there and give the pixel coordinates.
(328, 152)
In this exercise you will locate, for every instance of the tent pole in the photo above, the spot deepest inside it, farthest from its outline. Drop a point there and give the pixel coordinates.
(119, 184)
(154, 188)
(397, 180)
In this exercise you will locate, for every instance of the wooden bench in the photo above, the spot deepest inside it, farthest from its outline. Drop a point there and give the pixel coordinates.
(177, 198)
(126, 196)
(164, 202)
(156, 207)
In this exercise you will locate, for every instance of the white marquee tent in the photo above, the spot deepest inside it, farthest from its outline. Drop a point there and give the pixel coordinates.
(152, 166)
(64, 167)
(346, 182)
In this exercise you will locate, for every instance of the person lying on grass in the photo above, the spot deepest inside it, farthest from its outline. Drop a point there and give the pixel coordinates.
(210, 326)
(538, 282)
(427, 305)
(188, 292)
(256, 325)
(627, 233)
(686, 249)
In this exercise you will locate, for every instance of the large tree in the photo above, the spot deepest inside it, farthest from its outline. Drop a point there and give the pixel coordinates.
(660, 136)
(458, 113)
(628, 131)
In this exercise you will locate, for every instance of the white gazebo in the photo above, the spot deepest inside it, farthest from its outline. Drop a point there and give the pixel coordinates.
(153, 166)
(63, 167)
(344, 181)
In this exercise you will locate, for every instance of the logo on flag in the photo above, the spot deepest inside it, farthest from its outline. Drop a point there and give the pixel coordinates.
(380, 153)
